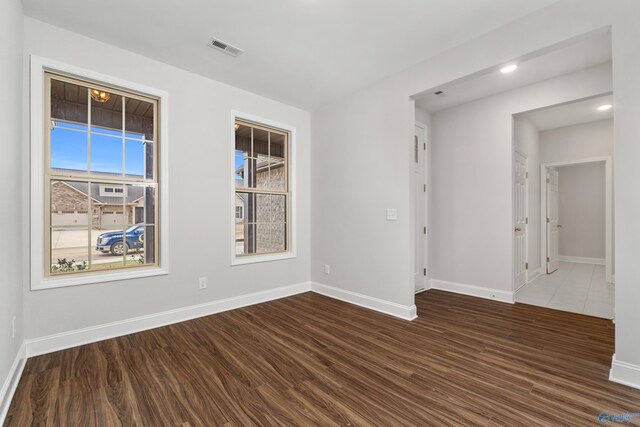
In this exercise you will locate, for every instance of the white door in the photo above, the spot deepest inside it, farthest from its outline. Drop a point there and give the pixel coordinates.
(420, 189)
(553, 226)
(520, 220)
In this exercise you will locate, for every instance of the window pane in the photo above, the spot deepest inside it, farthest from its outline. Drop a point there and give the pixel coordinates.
(68, 147)
(69, 201)
(107, 247)
(149, 160)
(263, 208)
(69, 249)
(277, 161)
(69, 102)
(106, 154)
(108, 203)
(134, 158)
(139, 118)
(106, 112)
(148, 247)
(244, 163)
(278, 208)
(140, 204)
(270, 238)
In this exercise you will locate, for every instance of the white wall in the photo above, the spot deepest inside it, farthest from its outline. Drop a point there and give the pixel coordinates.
(10, 177)
(582, 210)
(471, 157)
(373, 130)
(200, 152)
(527, 141)
(583, 141)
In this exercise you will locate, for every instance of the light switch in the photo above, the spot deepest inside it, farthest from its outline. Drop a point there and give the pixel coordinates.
(392, 214)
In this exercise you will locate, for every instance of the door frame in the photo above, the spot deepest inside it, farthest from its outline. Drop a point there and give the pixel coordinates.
(513, 220)
(608, 190)
(425, 201)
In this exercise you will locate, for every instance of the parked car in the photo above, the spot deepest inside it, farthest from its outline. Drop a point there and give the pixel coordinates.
(113, 243)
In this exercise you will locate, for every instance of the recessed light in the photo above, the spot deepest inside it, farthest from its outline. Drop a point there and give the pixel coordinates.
(508, 69)
(605, 107)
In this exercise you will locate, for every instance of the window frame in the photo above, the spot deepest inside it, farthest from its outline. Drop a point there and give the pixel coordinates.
(39, 172)
(290, 165)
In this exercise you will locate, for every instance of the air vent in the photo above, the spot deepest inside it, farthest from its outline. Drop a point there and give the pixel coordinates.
(225, 47)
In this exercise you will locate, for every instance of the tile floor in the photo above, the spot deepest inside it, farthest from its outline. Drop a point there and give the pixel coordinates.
(579, 288)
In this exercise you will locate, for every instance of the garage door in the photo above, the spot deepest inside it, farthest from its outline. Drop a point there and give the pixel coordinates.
(58, 219)
(109, 219)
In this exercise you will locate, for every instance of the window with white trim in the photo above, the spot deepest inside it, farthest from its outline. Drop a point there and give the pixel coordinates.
(101, 178)
(262, 192)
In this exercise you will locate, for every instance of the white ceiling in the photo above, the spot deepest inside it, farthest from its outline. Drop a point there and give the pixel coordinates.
(579, 55)
(302, 52)
(570, 114)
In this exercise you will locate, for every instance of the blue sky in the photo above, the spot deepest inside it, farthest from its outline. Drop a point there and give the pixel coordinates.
(69, 149)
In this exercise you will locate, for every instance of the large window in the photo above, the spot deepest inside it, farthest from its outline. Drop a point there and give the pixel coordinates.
(101, 178)
(262, 197)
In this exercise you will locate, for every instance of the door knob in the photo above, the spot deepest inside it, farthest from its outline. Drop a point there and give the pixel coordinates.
(518, 229)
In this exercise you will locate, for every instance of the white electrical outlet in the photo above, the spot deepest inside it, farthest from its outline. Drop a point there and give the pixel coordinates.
(13, 327)
(327, 269)
(392, 214)
(202, 283)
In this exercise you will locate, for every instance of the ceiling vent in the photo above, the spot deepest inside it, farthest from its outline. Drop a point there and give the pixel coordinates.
(225, 47)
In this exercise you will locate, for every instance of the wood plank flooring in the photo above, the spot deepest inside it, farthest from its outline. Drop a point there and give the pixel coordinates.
(311, 360)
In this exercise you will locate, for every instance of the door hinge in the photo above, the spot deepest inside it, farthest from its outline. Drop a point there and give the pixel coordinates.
(526, 265)
(526, 175)
(425, 188)
(548, 180)
(425, 146)
(425, 271)
(547, 220)
(526, 220)
(548, 259)
(425, 230)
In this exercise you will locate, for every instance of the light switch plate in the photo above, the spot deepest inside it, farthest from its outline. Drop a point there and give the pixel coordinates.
(392, 214)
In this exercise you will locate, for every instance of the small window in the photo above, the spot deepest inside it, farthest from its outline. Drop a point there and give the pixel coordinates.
(262, 195)
(101, 210)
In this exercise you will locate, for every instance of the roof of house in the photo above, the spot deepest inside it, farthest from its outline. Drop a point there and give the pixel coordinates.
(134, 192)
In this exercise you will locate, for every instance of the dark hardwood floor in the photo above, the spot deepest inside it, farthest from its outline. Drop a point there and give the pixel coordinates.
(311, 360)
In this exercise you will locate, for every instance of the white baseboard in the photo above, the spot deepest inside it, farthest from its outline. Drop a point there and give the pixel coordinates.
(11, 382)
(624, 373)
(582, 260)
(402, 311)
(61, 341)
(472, 290)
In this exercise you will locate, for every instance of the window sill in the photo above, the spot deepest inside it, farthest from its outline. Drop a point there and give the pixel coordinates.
(87, 279)
(261, 258)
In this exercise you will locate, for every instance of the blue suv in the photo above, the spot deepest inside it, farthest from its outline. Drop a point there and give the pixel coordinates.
(112, 241)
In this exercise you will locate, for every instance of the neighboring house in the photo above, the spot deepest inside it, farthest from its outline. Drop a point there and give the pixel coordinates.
(112, 205)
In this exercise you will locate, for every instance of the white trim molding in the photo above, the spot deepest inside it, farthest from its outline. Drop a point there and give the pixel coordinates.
(39, 66)
(11, 382)
(582, 260)
(405, 312)
(473, 290)
(64, 340)
(624, 373)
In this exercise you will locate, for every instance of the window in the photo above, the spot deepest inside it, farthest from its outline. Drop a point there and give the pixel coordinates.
(101, 211)
(262, 190)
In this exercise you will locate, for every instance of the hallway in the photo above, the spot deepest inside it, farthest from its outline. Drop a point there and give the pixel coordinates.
(578, 288)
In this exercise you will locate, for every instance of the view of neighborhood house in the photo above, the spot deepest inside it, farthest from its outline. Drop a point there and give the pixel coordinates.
(261, 190)
(102, 195)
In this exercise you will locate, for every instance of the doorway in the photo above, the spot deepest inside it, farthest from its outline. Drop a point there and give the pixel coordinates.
(420, 194)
